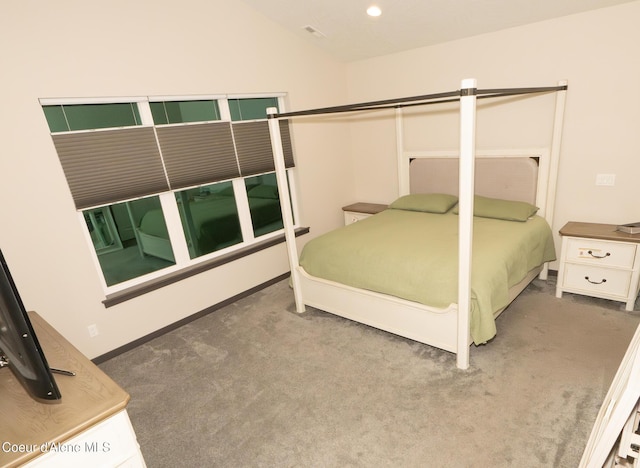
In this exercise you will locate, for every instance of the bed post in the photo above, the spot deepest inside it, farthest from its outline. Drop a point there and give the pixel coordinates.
(554, 162)
(403, 161)
(556, 140)
(468, 92)
(285, 204)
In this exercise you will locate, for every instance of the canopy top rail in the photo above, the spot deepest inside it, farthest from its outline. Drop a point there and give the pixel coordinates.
(423, 100)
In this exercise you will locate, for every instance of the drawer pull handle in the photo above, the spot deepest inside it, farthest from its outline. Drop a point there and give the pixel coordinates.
(604, 280)
(590, 252)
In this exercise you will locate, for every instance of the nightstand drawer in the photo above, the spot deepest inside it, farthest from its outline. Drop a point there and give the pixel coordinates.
(604, 253)
(359, 211)
(352, 217)
(587, 278)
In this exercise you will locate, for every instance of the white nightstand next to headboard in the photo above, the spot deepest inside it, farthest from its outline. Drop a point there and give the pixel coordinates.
(358, 211)
(599, 261)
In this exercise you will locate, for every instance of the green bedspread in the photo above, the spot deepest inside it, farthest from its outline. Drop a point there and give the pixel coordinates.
(414, 255)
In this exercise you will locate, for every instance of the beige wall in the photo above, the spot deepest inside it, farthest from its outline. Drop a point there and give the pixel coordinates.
(597, 52)
(75, 48)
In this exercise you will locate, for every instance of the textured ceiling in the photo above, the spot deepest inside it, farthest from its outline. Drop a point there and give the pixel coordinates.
(349, 34)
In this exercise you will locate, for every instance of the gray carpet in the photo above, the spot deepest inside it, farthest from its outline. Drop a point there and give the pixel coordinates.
(256, 385)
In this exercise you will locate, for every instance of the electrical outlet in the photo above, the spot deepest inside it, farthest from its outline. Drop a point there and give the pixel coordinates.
(606, 179)
(93, 330)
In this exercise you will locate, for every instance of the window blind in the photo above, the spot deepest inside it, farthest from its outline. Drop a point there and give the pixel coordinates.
(253, 146)
(198, 154)
(287, 146)
(107, 166)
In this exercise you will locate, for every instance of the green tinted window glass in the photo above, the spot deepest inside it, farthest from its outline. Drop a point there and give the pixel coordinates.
(55, 118)
(252, 108)
(90, 116)
(264, 203)
(209, 217)
(158, 112)
(131, 239)
(169, 112)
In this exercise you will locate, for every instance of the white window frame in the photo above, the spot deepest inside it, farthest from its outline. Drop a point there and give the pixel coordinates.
(168, 201)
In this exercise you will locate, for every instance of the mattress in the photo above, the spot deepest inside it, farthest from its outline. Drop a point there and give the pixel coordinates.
(414, 255)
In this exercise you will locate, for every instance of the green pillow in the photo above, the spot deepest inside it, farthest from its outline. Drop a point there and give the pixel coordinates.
(426, 202)
(496, 208)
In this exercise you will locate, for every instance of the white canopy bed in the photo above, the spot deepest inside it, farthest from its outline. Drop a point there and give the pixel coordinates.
(501, 174)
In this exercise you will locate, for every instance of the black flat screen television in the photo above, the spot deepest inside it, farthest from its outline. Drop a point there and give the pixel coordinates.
(19, 346)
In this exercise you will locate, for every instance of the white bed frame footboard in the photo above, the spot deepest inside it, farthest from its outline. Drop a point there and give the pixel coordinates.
(448, 328)
(418, 322)
(436, 327)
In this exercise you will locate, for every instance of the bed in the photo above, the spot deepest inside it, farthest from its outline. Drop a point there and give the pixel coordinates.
(410, 251)
(464, 311)
(211, 222)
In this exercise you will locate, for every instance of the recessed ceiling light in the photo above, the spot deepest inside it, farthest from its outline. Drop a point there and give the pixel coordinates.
(374, 10)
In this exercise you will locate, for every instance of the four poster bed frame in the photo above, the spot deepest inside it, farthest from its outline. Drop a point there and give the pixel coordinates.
(447, 328)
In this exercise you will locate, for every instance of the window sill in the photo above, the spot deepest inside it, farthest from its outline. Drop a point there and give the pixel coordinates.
(133, 292)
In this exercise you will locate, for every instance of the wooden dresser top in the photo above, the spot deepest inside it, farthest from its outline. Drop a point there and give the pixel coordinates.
(88, 398)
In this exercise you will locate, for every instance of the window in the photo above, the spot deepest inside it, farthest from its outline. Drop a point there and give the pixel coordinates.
(163, 184)
(167, 112)
(132, 241)
(251, 108)
(63, 118)
(210, 218)
(264, 203)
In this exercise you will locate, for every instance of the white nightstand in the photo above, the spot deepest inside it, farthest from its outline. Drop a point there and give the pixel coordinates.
(358, 211)
(599, 261)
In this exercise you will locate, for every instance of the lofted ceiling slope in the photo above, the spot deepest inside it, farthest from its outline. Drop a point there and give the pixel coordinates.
(343, 29)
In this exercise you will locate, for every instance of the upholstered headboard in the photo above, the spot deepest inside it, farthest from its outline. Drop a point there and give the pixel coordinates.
(504, 177)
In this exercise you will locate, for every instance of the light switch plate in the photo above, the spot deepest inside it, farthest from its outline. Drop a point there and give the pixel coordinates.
(606, 179)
